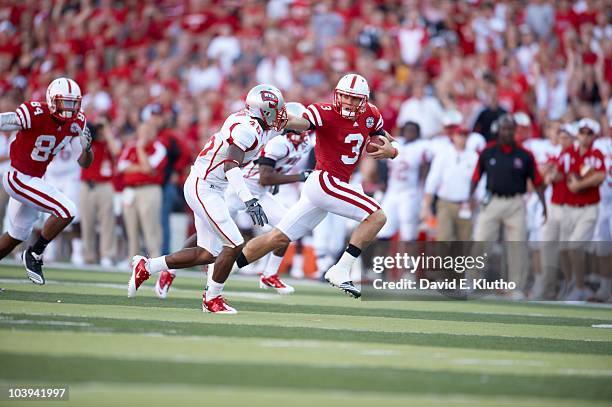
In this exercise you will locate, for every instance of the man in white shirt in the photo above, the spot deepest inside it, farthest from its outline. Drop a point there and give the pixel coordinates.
(422, 109)
(449, 178)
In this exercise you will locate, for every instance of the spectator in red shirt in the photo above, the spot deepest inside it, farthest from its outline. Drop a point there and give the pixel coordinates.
(583, 169)
(97, 196)
(142, 163)
(545, 286)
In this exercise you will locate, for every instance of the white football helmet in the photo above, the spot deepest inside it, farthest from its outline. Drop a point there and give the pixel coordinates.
(352, 85)
(296, 109)
(266, 102)
(64, 98)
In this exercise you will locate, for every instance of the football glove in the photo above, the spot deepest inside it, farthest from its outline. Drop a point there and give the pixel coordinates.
(84, 135)
(254, 209)
(304, 175)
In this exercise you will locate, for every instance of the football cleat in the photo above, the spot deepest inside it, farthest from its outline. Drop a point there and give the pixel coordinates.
(340, 279)
(139, 274)
(163, 284)
(217, 305)
(33, 264)
(276, 283)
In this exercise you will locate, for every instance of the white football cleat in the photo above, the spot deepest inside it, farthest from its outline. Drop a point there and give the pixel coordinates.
(340, 278)
(140, 274)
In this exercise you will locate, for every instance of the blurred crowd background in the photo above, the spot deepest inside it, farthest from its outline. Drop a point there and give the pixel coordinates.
(169, 72)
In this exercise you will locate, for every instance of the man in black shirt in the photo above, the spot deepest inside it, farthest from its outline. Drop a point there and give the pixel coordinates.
(508, 166)
(491, 112)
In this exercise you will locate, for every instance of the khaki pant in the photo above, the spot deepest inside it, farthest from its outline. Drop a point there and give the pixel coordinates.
(450, 226)
(545, 285)
(142, 211)
(578, 225)
(96, 204)
(509, 214)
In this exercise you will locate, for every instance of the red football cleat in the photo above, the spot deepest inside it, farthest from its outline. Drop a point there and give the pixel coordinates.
(217, 305)
(163, 284)
(275, 282)
(139, 274)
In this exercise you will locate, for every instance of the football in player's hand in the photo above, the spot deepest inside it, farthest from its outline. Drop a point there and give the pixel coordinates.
(377, 140)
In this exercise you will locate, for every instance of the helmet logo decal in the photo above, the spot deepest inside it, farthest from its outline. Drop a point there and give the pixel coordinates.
(268, 96)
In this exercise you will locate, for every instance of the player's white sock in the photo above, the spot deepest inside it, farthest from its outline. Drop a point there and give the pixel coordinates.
(272, 266)
(172, 271)
(297, 266)
(213, 289)
(157, 264)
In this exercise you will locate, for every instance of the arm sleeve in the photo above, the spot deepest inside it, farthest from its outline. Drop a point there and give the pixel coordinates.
(432, 182)
(242, 136)
(236, 180)
(10, 121)
(313, 115)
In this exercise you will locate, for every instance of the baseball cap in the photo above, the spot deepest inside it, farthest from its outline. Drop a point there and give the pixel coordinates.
(522, 119)
(452, 118)
(589, 124)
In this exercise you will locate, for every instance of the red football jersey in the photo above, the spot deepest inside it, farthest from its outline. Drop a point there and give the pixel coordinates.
(571, 162)
(41, 137)
(340, 141)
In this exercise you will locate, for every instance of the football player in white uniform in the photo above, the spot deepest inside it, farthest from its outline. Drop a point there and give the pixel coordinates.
(65, 172)
(271, 169)
(401, 201)
(218, 165)
(603, 228)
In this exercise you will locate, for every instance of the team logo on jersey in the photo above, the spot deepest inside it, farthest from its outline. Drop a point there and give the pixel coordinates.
(518, 163)
(370, 122)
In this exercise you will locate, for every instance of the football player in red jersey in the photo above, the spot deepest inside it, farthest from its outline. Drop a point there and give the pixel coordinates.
(343, 128)
(44, 129)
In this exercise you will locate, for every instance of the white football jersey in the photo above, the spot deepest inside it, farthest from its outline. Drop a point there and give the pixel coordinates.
(240, 130)
(604, 144)
(284, 153)
(542, 149)
(404, 169)
(65, 165)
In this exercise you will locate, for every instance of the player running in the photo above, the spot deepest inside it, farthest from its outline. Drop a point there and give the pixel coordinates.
(272, 168)
(44, 129)
(218, 165)
(343, 129)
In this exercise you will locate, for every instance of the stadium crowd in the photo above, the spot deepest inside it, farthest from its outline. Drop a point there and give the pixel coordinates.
(159, 77)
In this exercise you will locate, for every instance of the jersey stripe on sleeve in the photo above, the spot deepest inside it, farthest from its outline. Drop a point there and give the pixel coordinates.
(314, 115)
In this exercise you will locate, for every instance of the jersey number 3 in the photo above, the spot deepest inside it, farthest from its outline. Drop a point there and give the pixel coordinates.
(357, 140)
(44, 146)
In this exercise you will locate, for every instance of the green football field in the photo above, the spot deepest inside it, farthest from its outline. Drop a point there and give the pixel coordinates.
(317, 347)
